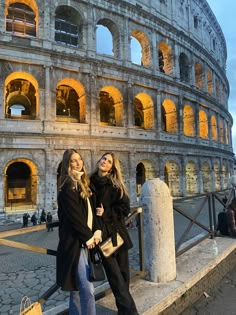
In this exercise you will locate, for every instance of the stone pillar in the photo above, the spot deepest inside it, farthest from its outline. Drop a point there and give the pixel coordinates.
(159, 242)
(132, 177)
(158, 117)
(180, 116)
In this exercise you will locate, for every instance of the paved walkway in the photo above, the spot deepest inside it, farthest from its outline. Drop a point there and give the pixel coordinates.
(218, 300)
(32, 274)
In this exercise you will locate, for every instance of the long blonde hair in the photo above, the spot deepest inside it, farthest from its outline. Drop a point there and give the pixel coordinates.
(115, 173)
(81, 180)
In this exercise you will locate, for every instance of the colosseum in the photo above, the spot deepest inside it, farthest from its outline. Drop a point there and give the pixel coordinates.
(158, 96)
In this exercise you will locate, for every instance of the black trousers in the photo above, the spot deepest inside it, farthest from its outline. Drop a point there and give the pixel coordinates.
(117, 271)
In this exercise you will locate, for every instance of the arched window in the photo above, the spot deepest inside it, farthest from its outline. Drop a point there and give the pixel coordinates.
(20, 99)
(21, 19)
(111, 107)
(169, 117)
(221, 131)
(203, 125)
(188, 121)
(67, 103)
(68, 26)
(172, 177)
(136, 51)
(107, 109)
(209, 82)
(183, 67)
(206, 177)
(214, 132)
(104, 35)
(140, 177)
(143, 111)
(18, 182)
(145, 45)
(198, 76)
(165, 58)
(191, 176)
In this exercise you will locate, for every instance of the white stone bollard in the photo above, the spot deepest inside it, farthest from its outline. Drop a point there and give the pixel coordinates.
(159, 241)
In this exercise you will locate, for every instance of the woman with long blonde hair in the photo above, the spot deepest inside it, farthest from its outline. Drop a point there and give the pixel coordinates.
(113, 206)
(78, 232)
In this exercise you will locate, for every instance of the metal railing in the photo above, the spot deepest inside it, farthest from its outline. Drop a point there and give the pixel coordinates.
(206, 209)
(136, 212)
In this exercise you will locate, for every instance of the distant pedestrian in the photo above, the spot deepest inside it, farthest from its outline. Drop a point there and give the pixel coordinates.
(25, 219)
(49, 220)
(43, 217)
(34, 219)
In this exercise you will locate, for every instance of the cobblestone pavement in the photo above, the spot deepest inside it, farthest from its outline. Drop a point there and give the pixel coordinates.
(217, 301)
(32, 274)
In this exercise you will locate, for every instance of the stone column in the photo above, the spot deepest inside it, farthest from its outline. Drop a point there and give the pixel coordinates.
(180, 116)
(132, 177)
(159, 249)
(158, 117)
(200, 179)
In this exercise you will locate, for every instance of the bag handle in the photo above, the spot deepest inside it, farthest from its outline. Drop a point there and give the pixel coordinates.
(25, 302)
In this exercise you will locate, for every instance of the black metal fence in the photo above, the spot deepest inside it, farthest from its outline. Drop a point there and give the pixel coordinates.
(195, 218)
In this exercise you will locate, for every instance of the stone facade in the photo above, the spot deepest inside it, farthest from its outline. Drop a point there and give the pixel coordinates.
(164, 113)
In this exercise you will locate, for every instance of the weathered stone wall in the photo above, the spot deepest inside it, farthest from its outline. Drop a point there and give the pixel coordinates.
(176, 27)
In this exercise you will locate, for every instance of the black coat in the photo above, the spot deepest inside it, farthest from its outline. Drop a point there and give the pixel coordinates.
(73, 232)
(116, 209)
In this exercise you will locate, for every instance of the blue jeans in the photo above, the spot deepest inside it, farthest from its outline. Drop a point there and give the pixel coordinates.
(82, 302)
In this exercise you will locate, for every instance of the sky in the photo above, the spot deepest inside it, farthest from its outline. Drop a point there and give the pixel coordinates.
(225, 12)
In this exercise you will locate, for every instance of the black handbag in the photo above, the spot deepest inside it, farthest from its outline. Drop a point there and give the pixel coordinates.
(96, 272)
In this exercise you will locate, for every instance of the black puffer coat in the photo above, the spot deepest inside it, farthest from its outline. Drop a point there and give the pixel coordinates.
(116, 209)
(73, 232)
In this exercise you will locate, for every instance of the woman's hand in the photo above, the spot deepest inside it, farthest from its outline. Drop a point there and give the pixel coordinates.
(100, 210)
(90, 246)
(97, 241)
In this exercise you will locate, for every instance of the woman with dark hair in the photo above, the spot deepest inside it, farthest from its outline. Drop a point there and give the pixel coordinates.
(112, 207)
(78, 232)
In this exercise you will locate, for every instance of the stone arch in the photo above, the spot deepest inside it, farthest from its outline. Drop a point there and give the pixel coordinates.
(199, 79)
(111, 106)
(184, 67)
(225, 175)
(68, 26)
(191, 178)
(32, 20)
(21, 96)
(203, 125)
(188, 121)
(70, 101)
(216, 168)
(145, 44)
(206, 177)
(143, 111)
(165, 54)
(214, 132)
(144, 171)
(226, 133)
(115, 35)
(21, 183)
(209, 81)
(169, 116)
(172, 177)
(221, 124)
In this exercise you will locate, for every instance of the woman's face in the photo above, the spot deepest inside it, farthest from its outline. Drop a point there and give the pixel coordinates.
(105, 165)
(76, 163)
